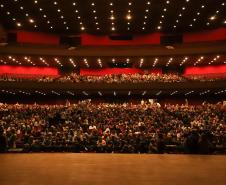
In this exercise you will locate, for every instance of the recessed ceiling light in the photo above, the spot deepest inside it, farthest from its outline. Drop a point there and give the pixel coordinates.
(19, 24)
(31, 20)
(213, 18)
(128, 17)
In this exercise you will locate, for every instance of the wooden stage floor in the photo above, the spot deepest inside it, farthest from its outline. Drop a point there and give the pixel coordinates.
(111, 169)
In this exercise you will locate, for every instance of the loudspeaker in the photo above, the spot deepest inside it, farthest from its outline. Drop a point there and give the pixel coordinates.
(171, 39)
(70, 41)
(12, 37)
(121, 37)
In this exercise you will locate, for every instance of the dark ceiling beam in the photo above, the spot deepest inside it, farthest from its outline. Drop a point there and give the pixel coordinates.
(3, 34)
(130, 51)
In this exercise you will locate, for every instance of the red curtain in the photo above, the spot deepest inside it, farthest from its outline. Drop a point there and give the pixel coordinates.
(23, 71)
(206, 70)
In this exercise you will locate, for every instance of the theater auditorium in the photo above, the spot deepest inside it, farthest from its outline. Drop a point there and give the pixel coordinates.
(112, 92)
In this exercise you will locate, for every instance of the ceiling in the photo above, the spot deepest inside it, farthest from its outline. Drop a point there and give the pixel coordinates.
(103, 62)
(59, 94)
(112, 16)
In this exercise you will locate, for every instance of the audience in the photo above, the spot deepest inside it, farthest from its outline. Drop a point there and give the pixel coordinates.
(122, 78)
(113, 128)
(206, 78)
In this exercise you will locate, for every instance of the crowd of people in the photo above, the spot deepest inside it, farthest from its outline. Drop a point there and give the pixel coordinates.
(206, 78)
(116, 78)
(123, 78)
(145, 127)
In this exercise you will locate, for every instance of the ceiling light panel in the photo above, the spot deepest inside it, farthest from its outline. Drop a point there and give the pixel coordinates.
(112, 16)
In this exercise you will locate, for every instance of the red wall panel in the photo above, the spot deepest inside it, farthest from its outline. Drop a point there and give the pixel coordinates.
(37, 38)
(108, 71)
(204, 36)
(29, 71)
(93, 40)
(205, 70)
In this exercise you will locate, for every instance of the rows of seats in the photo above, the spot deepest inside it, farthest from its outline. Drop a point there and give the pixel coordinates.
(110, 127)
